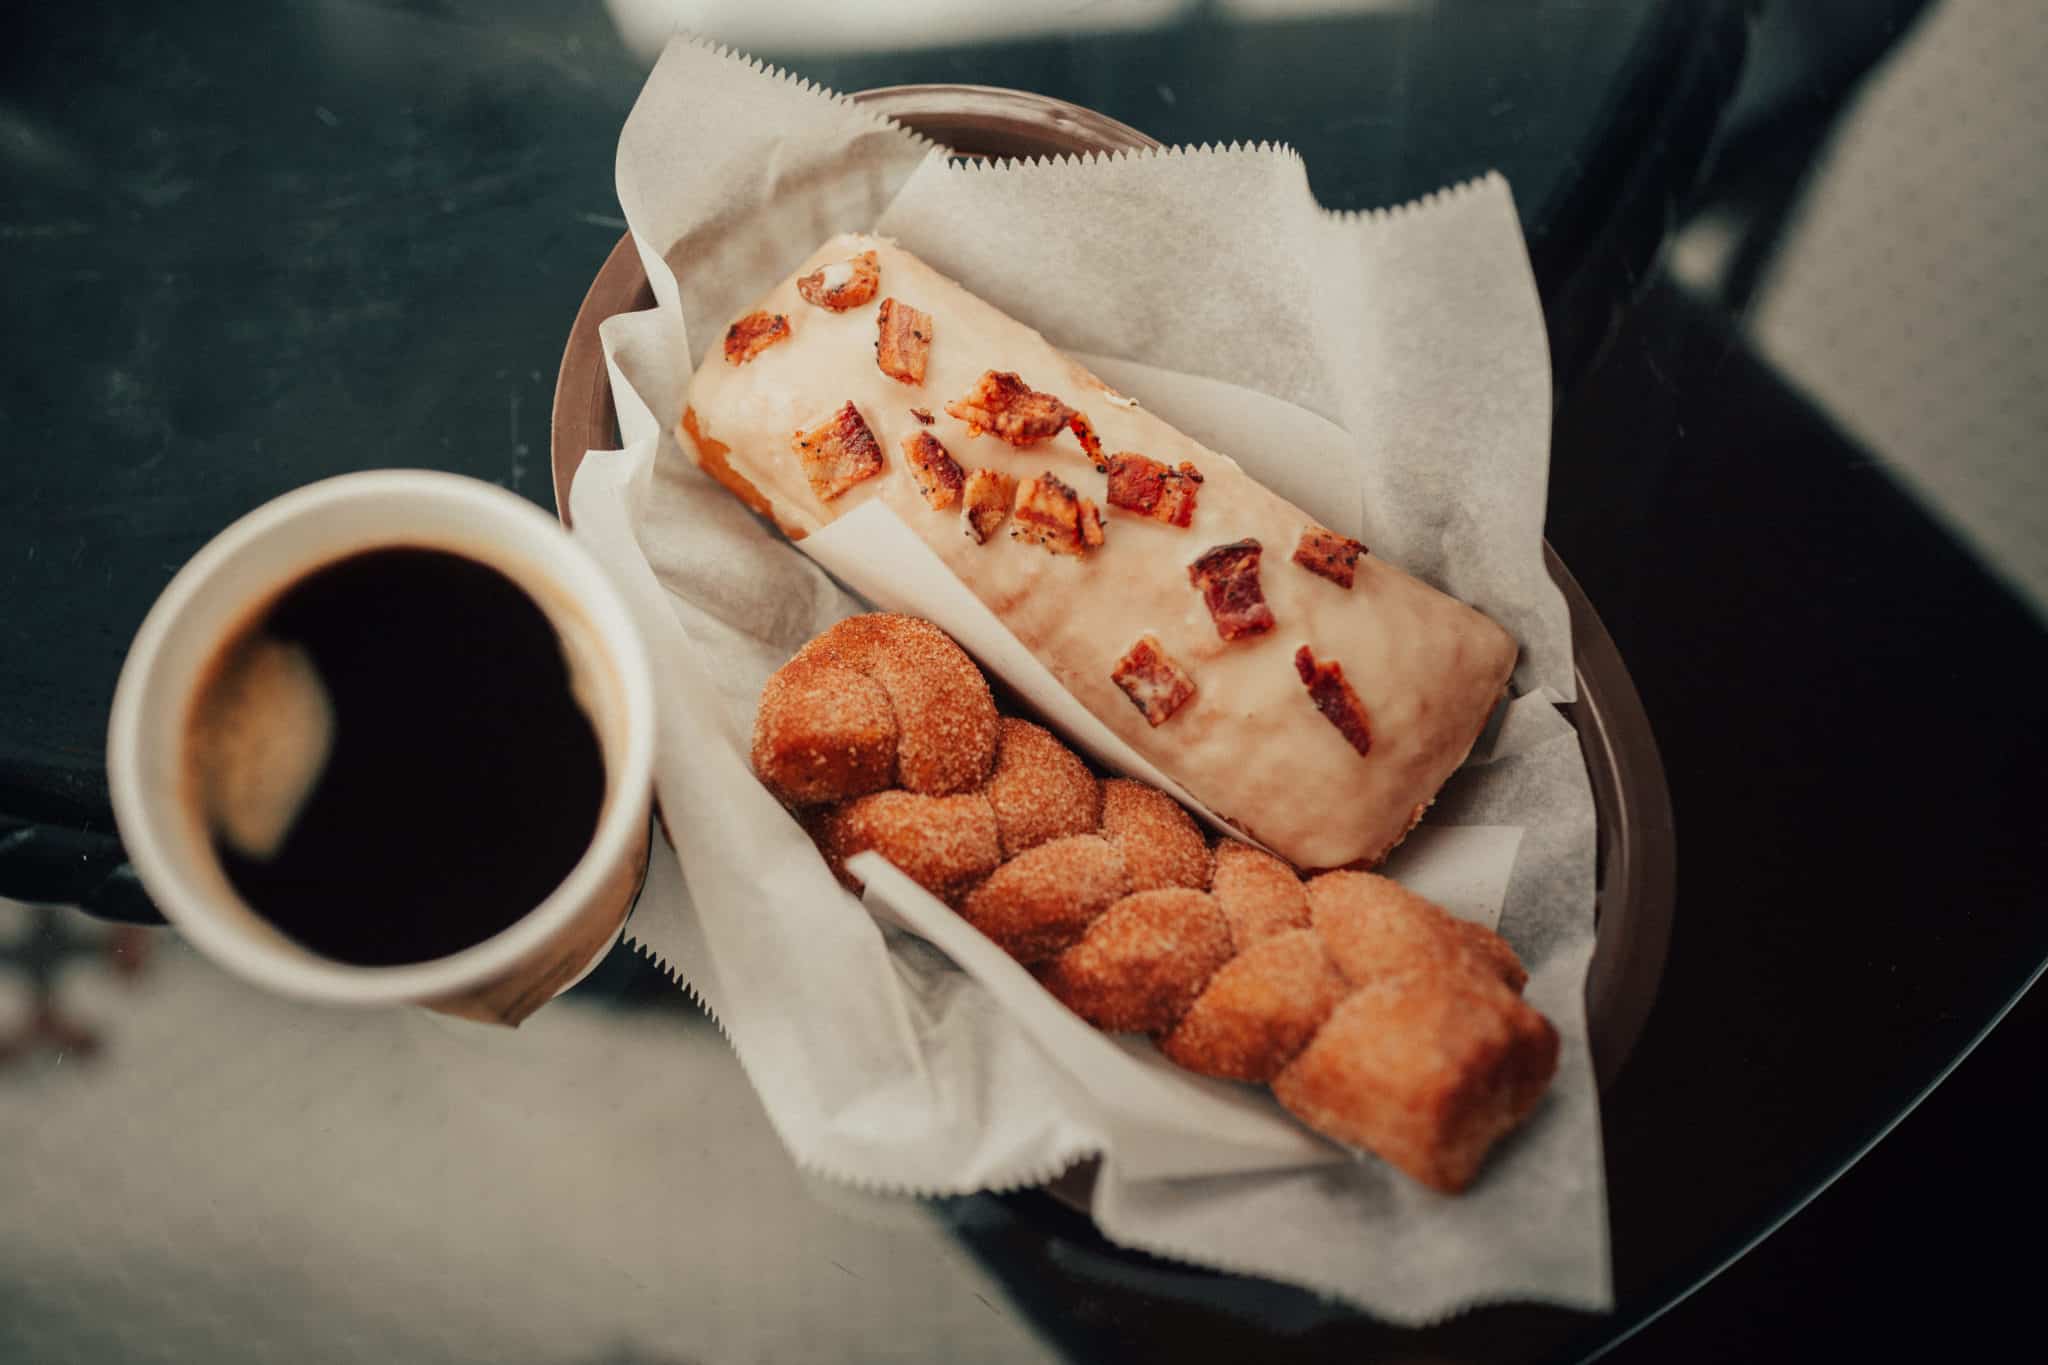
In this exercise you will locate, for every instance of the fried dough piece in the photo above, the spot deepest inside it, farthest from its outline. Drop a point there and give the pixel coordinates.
(1374, 927)
(1161, 844)
(1260, 895)
(1259, 1010)
(943, 843)
(1139, 966)
(824, 732)
(944, 715)
(1040, 902)
(1426, 665)
(1041, 790)
(1427, 1070)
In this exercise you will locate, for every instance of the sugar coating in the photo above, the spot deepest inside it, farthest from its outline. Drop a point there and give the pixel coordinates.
(1161, 844)
(1041, 901)
(1141, 965)
(1041, 790)
(1259, 1010)
(823, 732)
(1427, 1070)
(943, 843)
(1374, 927)
(1260, 895)
(945, 718)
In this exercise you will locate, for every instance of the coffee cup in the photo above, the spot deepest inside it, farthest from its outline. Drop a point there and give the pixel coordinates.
(389, 739)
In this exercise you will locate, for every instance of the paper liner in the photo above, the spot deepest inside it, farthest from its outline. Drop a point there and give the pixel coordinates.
(1405, 348)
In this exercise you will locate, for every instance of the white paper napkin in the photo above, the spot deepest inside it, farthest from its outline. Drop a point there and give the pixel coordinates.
(1386, 371)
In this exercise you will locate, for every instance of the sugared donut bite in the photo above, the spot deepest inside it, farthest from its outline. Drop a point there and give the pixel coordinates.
(877, 701)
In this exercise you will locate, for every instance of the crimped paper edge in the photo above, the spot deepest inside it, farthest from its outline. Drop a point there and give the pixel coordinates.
(1382, 213)
(1165, 151)
(1025, 1178)
(804, 85)
(1035, 1177)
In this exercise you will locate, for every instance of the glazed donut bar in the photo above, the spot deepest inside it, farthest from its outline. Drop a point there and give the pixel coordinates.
(1376, 1017)
(1302, 689)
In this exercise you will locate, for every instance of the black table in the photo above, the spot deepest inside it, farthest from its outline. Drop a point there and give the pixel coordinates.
(254, 246)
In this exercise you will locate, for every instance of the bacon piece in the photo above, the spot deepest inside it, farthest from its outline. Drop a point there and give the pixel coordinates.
(1085, 434)
(1004, 404)
(1053, 516)
(1335, 699)
(938, 474)
(1229, 579)
(1152, 680)
(843, 284)
(1091, 524)
(1140, 484)
(1328, 555)
(903, 341)
(985, 503)
(923, 415)
(838, 453)
(753, 334)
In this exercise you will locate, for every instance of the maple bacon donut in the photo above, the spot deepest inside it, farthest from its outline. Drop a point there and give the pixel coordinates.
(1297, 685)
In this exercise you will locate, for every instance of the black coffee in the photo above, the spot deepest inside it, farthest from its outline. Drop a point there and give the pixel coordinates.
(463, 780)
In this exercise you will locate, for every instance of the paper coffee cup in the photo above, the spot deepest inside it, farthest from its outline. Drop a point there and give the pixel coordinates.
(171, 840)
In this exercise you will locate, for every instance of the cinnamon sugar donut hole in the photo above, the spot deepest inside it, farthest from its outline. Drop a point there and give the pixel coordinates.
(1040, 788)
(1374, 927)
(1041, 901)
(819, 733)
(1161, 844)
(943, 843)
(1260, 1009)
(823, 732)
(1259, 894)
(1139, 967)
(1426, 1070)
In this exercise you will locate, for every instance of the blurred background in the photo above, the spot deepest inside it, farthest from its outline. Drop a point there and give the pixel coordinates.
(194, 1171)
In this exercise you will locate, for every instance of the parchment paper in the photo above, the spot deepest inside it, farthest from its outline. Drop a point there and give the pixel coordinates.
(1389, 373)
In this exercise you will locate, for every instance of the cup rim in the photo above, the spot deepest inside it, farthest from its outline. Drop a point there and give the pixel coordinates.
(149, 834)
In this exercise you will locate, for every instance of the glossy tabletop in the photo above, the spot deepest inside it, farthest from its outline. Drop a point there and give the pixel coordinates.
(251, 246)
